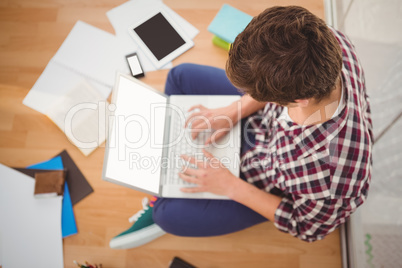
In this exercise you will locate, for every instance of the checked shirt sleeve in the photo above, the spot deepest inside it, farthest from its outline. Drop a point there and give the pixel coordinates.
(311, 220)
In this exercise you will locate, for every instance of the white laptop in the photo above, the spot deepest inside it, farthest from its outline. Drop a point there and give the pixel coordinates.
(147, 137)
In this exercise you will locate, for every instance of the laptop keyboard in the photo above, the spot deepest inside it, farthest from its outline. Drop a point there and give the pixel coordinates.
(183, 144)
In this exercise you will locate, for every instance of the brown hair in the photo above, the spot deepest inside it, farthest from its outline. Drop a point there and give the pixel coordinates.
(285, 54)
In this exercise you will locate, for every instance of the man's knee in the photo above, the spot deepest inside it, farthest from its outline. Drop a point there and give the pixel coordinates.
(167, 216)
(175, 78)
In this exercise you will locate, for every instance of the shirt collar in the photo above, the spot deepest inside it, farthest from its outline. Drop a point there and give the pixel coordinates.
(314, 137)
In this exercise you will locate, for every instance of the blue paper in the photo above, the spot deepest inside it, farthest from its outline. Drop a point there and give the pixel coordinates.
(52, 164)
(228, 23)
(68, 224)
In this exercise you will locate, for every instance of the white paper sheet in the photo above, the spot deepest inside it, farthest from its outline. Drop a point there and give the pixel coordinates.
(93, 53)
(87, 53)
(123, 16)
(55, 82)
(30, 228)
(81, 115)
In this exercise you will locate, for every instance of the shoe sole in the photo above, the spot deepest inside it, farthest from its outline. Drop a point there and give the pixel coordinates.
(138, 238)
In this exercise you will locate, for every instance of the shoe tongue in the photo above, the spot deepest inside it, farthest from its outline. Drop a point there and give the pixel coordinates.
(145, 219)
(145, 206)
(137, 215)
(145, 202)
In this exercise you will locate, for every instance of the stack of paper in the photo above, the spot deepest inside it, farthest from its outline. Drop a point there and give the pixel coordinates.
(30, 229)
(227, 24)
(75, 188)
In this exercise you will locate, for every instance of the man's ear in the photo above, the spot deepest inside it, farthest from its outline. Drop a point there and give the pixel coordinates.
(302, 102)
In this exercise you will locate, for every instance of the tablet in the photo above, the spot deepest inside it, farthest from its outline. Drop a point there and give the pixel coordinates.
(160, 38)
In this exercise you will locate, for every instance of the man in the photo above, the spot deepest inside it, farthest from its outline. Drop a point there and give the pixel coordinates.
(307, 135)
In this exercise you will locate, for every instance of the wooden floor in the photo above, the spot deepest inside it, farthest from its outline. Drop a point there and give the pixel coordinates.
(31, 31)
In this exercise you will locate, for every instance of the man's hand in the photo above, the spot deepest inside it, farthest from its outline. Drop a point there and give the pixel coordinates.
(211, 176)
(220, 121)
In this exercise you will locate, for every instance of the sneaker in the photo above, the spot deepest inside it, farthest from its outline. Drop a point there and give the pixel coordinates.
(143, 230)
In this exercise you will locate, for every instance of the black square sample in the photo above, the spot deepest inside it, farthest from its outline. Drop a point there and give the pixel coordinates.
(159, 36)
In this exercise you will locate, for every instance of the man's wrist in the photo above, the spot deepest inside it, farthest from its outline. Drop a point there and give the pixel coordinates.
(249, 105)
(235, 112)
(258, 200)
(235, 188)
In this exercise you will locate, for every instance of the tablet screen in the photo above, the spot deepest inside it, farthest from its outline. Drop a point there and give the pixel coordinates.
(159, 36)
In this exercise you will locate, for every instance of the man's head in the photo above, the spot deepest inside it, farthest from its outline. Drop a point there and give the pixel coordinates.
(285, 54)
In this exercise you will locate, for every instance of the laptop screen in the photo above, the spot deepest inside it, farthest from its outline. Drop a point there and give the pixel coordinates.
(136, 136)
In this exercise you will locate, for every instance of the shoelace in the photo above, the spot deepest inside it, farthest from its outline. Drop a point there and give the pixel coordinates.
(137, 215)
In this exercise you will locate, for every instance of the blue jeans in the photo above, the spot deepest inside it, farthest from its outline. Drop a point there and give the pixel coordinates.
(201, 217)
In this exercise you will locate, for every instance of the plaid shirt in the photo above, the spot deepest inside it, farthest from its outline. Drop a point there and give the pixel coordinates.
(322, 172)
